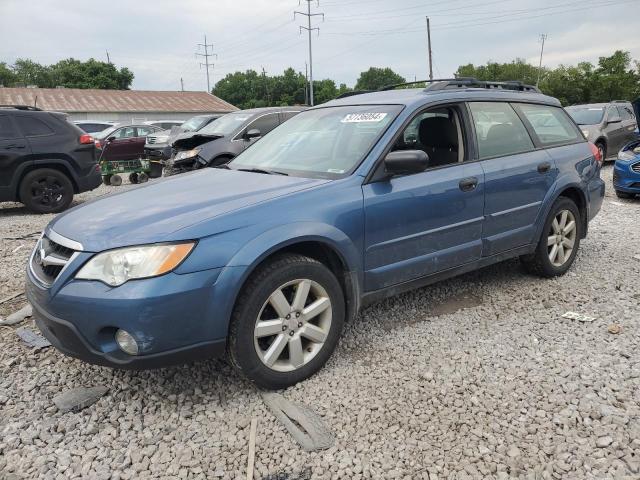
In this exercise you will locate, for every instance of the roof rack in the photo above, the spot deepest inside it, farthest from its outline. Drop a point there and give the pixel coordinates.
(22, 107)
(467, 82)
(353, 92)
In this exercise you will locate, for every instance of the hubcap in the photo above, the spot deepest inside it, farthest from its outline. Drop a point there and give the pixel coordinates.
(561, 238)
(292, 325)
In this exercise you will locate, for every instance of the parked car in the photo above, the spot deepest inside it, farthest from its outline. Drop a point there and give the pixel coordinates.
(626, 171)
(44, 159)
(123, 142)
(158, 145)
(93, 126)
(268, 256)
(165, 124)
(224, 139)
(608, 125)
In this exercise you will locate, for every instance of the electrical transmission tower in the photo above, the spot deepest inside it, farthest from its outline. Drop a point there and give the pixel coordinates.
(206, 56)
(309, 29)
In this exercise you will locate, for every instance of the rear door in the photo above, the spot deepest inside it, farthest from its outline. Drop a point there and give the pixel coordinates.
(13, 148)
(629, 123)
(417, 225)
(517, 176)
(615, 130)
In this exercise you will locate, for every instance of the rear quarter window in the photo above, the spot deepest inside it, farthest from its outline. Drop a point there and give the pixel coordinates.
(33, 127)
(550, 124)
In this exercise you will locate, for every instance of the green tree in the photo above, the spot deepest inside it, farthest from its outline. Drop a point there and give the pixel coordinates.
(376, 78)
(29, 72)
(7, 77)
(518, 69)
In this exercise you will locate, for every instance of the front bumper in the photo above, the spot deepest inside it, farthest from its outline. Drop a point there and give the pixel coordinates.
(159, 152)
(173, 318)
(624, 178)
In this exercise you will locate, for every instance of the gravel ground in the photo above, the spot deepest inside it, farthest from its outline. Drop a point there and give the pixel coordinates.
(475, 377)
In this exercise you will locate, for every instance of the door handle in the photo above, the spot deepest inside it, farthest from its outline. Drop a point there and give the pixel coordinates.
(14, 146)
(468, 184)
(544, 167)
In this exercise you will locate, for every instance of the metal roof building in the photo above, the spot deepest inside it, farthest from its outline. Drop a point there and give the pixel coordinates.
(117, 105)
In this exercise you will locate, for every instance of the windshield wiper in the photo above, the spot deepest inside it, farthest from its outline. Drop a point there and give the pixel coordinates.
(261, 170)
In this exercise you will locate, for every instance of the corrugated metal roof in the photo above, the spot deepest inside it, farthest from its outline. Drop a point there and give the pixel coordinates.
(89, 100)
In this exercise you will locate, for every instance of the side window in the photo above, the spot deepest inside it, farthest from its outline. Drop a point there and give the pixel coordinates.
(625, 114)
(144, 131)
(612, 112)
(125, 132)
(265, 123)
(499, 130)
(33, 127)
(551, 124)
(284, 116)
(7, 130)
(438, 133)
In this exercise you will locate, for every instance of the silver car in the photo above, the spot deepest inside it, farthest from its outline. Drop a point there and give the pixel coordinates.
(609, 126)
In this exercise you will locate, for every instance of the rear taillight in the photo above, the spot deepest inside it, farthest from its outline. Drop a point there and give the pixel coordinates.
(86, 139)
(596, 153)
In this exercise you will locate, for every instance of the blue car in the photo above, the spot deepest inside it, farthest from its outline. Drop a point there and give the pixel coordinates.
(265, 259)
(626, 172)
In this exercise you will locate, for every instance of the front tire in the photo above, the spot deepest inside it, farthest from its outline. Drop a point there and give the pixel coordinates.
(624, 195)
(602, 148)
(46, 191)
(559, 242)
(287, 321)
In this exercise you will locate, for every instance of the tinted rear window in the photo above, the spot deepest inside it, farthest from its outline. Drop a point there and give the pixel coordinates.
(7, 130)
(550, 124)
(32, 127)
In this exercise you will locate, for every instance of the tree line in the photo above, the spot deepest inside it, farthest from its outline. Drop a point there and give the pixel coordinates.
(69, 73)
(616, 77)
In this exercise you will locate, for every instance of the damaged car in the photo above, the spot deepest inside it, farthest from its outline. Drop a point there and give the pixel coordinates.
(222, 140)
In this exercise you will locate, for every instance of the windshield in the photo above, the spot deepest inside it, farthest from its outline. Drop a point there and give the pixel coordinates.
(193, 124)
(327, 143)
(226, 124)
(105, 133)
(586, 115)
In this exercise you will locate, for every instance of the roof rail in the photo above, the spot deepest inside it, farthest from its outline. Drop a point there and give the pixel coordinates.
(416, 82)
(22, 107)
(352, 93)
(469, 82)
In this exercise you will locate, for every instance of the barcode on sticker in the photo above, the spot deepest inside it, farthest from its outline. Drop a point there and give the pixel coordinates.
(363, 117)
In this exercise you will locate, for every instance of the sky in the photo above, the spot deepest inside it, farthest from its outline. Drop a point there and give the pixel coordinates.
(157, 39)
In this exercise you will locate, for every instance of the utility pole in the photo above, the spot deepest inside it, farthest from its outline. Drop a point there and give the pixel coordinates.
(308, 28)
(306, 83)
(266, 88)
(429, 46)
(543, 38)
(181, 84)
(206, 56)
(108, 59)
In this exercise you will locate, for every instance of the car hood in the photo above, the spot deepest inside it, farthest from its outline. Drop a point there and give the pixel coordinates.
(156, 212)
(192, 140)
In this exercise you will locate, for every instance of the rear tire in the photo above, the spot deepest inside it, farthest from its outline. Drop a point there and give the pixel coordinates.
(602, 147)
(106, 179)
(624, 195)
(116, 180)
(559, 242)
(302, 302)
(46, 191)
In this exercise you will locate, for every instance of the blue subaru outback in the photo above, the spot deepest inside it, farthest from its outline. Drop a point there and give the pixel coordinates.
(266, 258)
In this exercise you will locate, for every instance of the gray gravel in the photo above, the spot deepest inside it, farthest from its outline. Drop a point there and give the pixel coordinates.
(504, 388)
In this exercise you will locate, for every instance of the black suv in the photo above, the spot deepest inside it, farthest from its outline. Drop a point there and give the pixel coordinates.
(44, 159)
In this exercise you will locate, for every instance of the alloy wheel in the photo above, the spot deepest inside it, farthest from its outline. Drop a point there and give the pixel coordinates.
(293, 325)
(561, 238)
(47, 191)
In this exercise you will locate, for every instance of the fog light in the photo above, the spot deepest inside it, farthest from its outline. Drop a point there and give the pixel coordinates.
(126, 342)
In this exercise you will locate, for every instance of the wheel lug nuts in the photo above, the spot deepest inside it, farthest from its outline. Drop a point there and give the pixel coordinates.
(299, 324)
(291, 333)
(297, 314)
(288, 317)
(284, 327)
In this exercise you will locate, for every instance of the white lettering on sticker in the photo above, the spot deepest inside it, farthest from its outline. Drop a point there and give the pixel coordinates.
(363, 117)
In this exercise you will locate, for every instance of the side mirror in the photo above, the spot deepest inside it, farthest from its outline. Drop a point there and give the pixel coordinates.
(253, 133)
(614, 119)
(405, 162)
(110, 139)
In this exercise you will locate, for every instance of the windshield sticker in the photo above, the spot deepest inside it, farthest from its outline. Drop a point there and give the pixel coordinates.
(363, 117)
(335, 170)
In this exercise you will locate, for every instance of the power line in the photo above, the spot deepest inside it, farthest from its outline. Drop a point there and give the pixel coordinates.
(309, 29)
(206, 56)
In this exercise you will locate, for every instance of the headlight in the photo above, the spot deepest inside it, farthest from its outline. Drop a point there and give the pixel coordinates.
(626, 155)
(188, 154)
(115, 267)
(586, 134)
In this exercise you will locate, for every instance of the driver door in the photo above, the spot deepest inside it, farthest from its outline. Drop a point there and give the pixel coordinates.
(420, 224)
(264, 124)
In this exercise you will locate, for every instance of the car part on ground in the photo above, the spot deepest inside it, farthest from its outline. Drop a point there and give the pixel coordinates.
(375, 194)
(45, 160)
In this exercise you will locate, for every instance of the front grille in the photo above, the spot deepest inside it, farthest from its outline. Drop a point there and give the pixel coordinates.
(49, 259)
(151, 140)
(636, 167)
